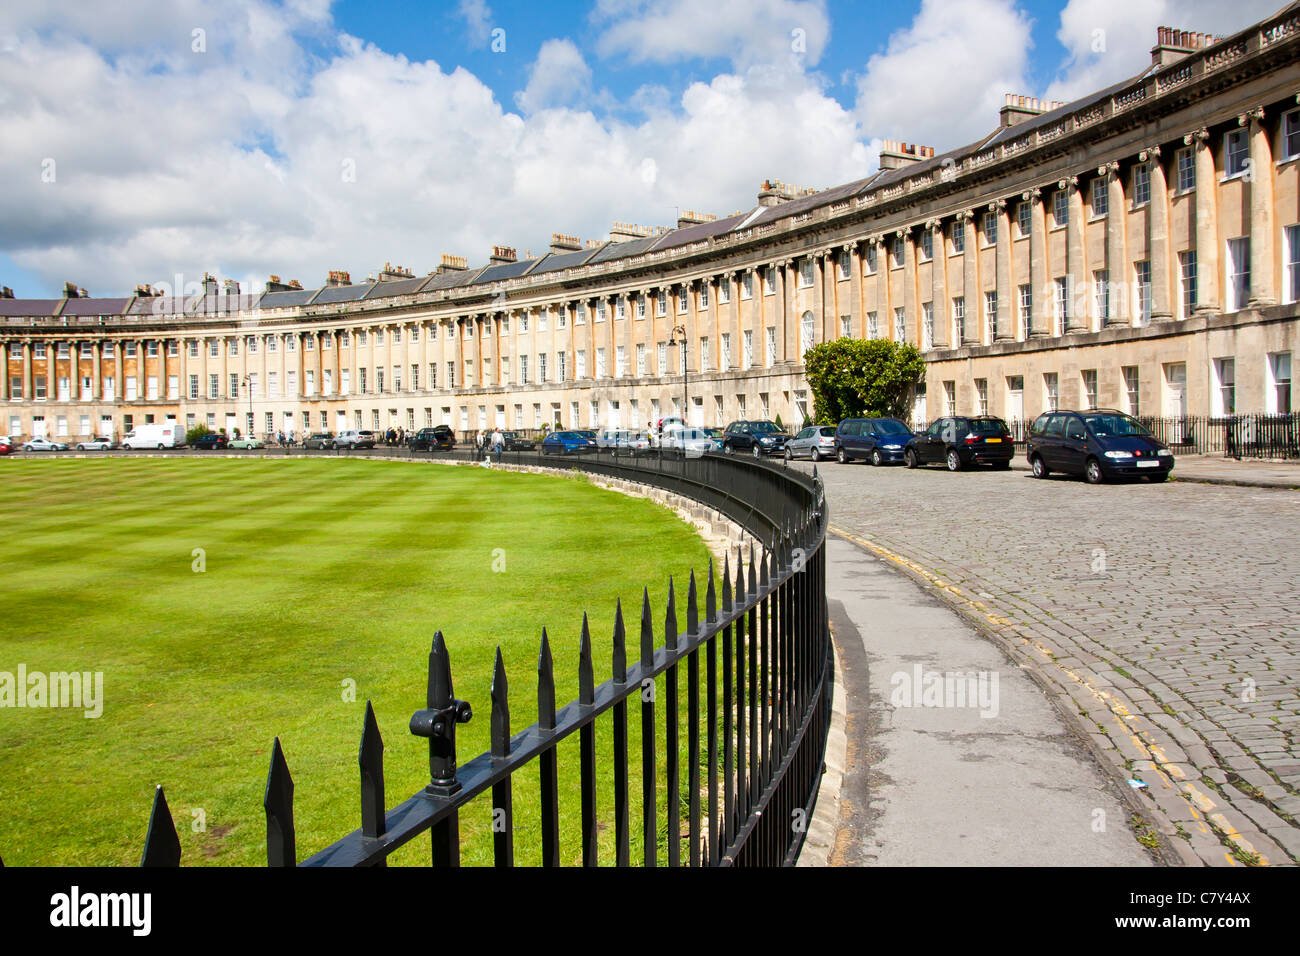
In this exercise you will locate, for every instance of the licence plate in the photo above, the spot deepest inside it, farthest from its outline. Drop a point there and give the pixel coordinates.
(1148, 464)
(991, 441)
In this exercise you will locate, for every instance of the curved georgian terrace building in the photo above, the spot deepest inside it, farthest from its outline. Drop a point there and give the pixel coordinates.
(1138, 248)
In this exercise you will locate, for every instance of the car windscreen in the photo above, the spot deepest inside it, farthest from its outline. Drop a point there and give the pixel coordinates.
(1114, 423)
(763, 428)
(986, 426)
(888, 426)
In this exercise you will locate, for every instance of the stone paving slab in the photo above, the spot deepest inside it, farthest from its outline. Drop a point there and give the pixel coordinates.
(1166, 614)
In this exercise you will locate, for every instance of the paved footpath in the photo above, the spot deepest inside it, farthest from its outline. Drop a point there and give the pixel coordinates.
(995, 777)
(1162, 620)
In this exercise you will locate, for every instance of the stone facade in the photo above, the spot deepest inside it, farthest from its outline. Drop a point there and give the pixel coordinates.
(1139, 249)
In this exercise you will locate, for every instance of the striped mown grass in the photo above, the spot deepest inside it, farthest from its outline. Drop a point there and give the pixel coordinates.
(319, 575)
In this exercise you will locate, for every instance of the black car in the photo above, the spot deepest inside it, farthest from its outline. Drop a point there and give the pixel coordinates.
(1098, 444)
(754, 438)
(439, 437)
(210, 442)
(960, 442)
(879, 440)
(517, 442)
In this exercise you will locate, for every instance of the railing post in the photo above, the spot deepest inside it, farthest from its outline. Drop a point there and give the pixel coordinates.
(438, 723)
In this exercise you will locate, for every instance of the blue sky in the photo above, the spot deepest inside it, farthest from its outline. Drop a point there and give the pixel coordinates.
(250, 137)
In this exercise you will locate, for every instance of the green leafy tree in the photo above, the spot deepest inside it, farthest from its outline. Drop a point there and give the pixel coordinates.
(195, 433)
(859, 378)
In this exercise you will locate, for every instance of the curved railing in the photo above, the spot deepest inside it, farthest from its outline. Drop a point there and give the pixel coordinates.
(757, 653)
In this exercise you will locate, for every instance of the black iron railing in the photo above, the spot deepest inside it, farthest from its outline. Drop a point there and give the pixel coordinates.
(756, 649)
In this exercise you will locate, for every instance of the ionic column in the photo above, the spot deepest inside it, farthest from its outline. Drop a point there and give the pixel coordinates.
(96, 395)
(856, 310)
(1076, 257)
(1116, 260)
(1003, 281)
(911, 310)
(938, 284)
(119, 387)
(1158, 239)
(28, 390)
(787, 343)
(1040, 279)
(1207, 228)
(1262, 289)
(970, 278)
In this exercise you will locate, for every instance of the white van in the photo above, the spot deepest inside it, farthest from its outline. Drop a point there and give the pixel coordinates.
(165, 435)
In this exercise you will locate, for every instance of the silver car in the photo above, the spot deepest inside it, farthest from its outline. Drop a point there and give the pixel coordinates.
(691, 442)
(815, 441)
(44, 444)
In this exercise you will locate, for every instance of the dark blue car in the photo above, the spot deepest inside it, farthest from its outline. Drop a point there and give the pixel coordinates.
(878, 440)
(567, 443)
(1097, 444)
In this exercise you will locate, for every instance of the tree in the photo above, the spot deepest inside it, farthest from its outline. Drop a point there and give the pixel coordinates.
(195, 433)
(857, 378)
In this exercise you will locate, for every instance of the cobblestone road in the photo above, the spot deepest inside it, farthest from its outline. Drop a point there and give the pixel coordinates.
(1167, 613)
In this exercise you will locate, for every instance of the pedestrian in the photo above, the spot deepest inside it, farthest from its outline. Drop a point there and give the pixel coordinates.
(498, 443)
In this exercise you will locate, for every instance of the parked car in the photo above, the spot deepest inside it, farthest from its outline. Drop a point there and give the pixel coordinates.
(716, 434)
(815, 442)
(96, 444)
(567, 443)
(246, 443)
(960, 442)
(689, 442)
(622, 441)
(517, 442)
(322, 440)
(435, 438)
(879, 440)
(212, 441)
(169, 434)
(1099, 444)
(6, 448)
(44, 444)
(355, 439)
(754, 438)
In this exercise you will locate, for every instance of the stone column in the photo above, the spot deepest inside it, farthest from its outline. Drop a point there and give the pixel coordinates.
(28, 390)
(1116, 258)
(1263, 290)
(970, 278)
(1158, 249)
(939, 284)
(1207, 227)
(119, 387)
(4, 376)
(1041, 287)
(911, 306)
(787, 343)
(857, 310)
(1076, 257)
(96, 395)
(1004, 283)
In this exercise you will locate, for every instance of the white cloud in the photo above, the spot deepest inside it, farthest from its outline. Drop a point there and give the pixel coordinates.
(559, 77)
(745, 32)
(256, 157)
(941, 81)
(478, 20)
(1111, 40)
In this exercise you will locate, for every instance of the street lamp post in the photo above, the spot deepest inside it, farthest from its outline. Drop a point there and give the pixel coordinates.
(672, 340)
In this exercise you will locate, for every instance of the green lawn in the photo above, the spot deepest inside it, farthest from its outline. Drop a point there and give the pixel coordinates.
(318, 573)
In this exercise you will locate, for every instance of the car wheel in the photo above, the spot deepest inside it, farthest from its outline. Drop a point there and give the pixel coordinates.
(758, 452)
(841, 457)
(877, 458)
(789, 456)
(954, 460)
(1040, 470)
(1092, 472)
(160, 447)
(728, 450)
(909, 458)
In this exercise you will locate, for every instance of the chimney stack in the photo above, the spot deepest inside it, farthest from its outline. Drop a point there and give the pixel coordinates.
(391, 273)
(503, 254)
(692, 218)
(338, 277)
(1017, 108)
(451, 264)
(895, 154)
(773, 192)
(1173, 44)
(562, 243)
(6, 292)
(627, 231)
(70, 291)
(230, 287)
